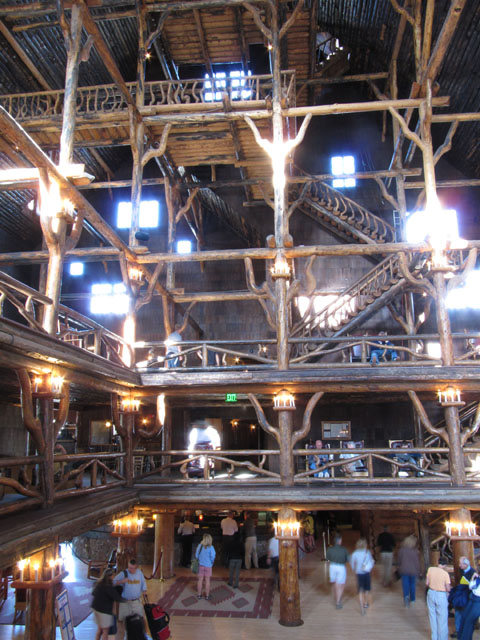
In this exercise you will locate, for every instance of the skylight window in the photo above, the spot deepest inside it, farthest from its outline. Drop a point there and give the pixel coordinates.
(184, 246)
(234, 83)
(465, 296)
(109, 298)
(440, 225)
(76, 268)
(149, 214)
(343, 165)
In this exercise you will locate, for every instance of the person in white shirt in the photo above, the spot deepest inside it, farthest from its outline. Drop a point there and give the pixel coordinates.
(229, 528)
(362, 563)
(186, 530)
(273, 558)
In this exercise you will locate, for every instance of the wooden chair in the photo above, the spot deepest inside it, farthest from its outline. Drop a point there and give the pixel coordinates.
(96, 569)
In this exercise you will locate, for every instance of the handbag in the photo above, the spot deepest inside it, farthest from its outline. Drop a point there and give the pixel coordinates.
(368, 562)
(113, 628)
(195, 565)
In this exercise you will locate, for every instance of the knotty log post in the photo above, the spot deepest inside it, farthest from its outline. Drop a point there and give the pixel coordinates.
(126, 550)
(164, 544)
(40, 621)
(461, 547)
(290, 614)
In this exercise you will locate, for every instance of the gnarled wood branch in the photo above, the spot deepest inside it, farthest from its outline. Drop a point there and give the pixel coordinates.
(186, 206)
(266, 426)
(291, 20)
(473, 428)
(63, 409)
(296, 288)
(154, 35)
(258, 20)
(403, 12)
(469, 264)
(147, 296)
(307, 417)
(425, 420)
(32, 424)
(421, 283)
(388, 197)
(156, 152)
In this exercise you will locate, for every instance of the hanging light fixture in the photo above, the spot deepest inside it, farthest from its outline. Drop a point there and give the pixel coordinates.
(464, 530)
(284, 401)
(130, 404)
(288, 530)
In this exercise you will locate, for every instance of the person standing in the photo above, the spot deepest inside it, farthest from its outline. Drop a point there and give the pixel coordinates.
(273, 558)
(409, 568)
(472, 612)
(250, 541)
(460, 593)
(362, 563)
(386, 544)
(205, 555)
(173, 348)
(229, 527)
(134, 586)
(438, 583)
(337, 570)
(234, 552)
(104, 595)
(187, 530)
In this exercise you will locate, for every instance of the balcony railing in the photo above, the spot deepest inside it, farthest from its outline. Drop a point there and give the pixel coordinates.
(108, 99)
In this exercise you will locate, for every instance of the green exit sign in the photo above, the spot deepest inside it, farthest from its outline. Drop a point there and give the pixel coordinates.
(230, 397)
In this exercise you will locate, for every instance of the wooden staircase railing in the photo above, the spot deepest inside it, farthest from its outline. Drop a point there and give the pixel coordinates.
(343, 215)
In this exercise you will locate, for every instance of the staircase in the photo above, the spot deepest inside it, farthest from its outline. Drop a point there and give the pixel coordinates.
(370, 293)
(341, 215)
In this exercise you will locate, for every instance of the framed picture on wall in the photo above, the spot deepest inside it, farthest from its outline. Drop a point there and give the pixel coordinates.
(336, 430)
(100, 432)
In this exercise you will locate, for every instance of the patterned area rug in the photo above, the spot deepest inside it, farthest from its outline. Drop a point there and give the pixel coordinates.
(79, 597)
(252, 599)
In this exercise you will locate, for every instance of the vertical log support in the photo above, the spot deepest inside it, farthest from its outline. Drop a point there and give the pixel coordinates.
(127, 437)
(461, 547)
(279, 195)
(54, 226)
(126, 550)
(137, 128)
(164, 545)
(285, 424)
(40, 620)
(290, 614)
(49, 438)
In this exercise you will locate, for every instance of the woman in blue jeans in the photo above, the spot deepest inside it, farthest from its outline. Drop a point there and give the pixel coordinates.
(409, 568)
(472, 611)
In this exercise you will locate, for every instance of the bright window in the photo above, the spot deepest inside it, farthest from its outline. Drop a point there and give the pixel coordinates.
(343, 165)
(439, 226)
(328, 310)
(233, 82)
(109, 298)
(184, 246)
(149, 213)
(465, 296)
(76, 268)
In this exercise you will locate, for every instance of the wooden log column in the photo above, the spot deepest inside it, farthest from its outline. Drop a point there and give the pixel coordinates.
(287, 470)
(40, 621)
(461, 547)
(290, 614)
(164, 544)
(126, 550)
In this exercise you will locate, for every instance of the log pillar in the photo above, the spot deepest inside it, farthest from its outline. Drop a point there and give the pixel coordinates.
(285, 424)
(164, 545)
(290, 614)
(46, 417)
(461, 547)
(424, 535)
(126, 550)
(40, 621)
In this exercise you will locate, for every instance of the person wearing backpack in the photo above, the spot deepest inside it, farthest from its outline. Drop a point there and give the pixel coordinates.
(459, 595)
(362, 563)
(472, 611)
(134, 586)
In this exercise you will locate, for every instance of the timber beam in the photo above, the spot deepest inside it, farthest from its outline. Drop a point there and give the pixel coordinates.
(329, 378)
(112, 253)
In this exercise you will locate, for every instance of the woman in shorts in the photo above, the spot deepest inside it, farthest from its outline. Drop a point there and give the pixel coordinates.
(205, 555)
(104, 597)
(362, 563)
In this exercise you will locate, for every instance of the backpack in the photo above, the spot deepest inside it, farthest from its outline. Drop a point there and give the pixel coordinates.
(458, 597)
(119, 587)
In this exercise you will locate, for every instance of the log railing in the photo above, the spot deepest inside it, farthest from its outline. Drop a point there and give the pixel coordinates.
(88, 473)
(85, 333)
(20, 486)
(307, 352)
(178, 465)
(26, 301)
(108, 99)
(347, 466)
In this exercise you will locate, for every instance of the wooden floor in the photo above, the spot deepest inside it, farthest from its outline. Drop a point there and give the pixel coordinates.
(386, 619)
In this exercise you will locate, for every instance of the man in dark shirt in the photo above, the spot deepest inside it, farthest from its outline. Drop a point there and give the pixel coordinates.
(338, 558)
(386, 544)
